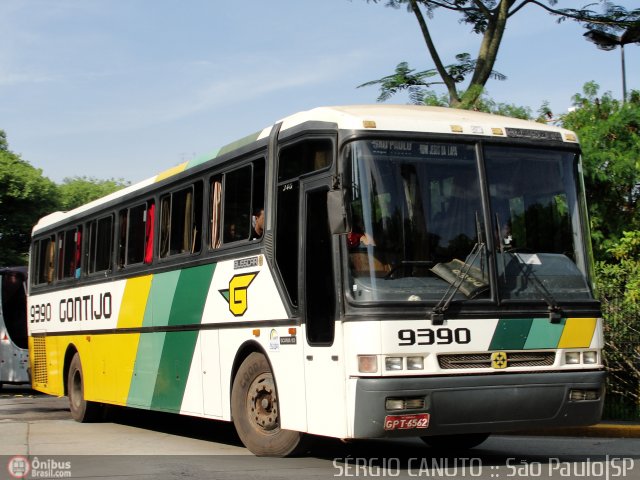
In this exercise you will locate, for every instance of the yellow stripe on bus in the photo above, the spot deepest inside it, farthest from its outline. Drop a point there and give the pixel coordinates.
(115, 354)
(578, 333)
(172, 171)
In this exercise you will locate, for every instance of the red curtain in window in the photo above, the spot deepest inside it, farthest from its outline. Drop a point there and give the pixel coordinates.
(78, 256)
(148, 238)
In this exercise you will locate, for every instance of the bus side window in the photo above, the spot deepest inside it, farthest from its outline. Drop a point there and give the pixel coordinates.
(44, 251)
(133, 233)
(215, 211)
(304, 157)
(237, 204)
(100, 244)
(180, 219)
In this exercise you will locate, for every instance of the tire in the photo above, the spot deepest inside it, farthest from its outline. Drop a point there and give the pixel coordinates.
(455, 442)
(256, 412)
(81, 410)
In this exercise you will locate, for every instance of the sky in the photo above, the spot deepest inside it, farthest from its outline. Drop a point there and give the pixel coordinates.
(125, 89)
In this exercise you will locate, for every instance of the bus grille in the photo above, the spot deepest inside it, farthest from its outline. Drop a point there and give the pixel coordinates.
(483, 360)
(39, 360)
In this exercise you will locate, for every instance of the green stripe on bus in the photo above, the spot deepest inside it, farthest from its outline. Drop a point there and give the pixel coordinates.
(191, 295)
(163, 291)
(202, 159)
(145, 371)
(177, 352)
(544, 334)
(511, 334)
(240, 143)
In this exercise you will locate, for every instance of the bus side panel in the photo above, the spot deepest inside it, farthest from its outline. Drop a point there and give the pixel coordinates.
(47, 365)
(286, 364)
(110, 358)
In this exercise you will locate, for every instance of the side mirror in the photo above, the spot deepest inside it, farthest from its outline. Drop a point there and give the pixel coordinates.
(338, 214)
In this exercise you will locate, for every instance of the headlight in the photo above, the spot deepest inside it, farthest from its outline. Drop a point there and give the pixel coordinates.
(415, 363)
(590, 357)
(572, 358)
(393, 363)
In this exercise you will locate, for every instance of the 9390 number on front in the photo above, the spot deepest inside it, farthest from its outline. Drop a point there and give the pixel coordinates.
(430, 336)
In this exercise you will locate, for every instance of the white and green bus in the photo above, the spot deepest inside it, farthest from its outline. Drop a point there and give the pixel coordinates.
(419, 272)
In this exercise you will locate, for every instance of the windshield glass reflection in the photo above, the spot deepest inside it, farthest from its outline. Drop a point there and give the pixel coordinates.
(415, 205)
(536, 218)
(418, 229)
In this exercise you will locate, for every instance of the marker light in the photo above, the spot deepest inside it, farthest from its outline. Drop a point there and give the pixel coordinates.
(572, 358)
(367, 363)
(415, 363)
(590, 357)
(393, 363)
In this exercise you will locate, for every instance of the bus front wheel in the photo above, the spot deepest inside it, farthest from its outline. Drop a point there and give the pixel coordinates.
(81, 410)
(256, 411)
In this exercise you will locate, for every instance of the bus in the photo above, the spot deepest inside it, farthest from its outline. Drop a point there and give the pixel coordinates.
(349, 272)
(14, 356)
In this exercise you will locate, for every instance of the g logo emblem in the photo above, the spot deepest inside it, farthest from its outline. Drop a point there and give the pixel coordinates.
(499, 360)
(236, 295)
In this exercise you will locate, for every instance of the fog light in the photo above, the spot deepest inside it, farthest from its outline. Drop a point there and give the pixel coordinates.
(572, 358)
(393, 363)
(414, 403)
(582, 395)
(394, 404)
(367, 363)
(415, 363)
(590, 357)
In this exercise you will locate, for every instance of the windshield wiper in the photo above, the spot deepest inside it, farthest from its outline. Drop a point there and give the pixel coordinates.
(457, 278)
(555, 313)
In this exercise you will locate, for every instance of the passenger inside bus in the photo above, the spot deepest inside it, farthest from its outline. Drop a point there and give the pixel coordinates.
(257, 224)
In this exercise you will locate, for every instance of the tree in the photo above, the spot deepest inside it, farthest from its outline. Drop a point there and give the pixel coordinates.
(488, 19)
(618, 287)
(25, 196)
(609, 133)
(77, 191)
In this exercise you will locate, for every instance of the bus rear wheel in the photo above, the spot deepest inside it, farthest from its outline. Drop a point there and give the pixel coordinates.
(256, 411)
(81, 410)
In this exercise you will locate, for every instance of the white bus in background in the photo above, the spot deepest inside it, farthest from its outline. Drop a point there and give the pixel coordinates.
(421, 272)
(14, 356)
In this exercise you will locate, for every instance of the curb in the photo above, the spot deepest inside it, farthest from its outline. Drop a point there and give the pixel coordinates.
(603, 430)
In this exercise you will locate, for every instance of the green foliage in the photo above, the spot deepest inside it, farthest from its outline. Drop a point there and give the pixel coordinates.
(77, 191)
(25, 196)
(609, 133)
(489, 19)
(618, 287)
(4, 146)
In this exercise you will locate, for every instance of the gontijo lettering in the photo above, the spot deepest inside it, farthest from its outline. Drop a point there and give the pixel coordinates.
(87, 307)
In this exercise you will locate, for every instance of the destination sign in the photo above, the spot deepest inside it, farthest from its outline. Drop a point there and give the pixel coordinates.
(400, 148)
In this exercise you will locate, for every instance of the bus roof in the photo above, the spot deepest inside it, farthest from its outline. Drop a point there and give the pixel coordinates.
(409, 118)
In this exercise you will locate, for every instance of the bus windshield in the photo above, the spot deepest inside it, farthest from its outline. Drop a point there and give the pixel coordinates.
(418, 222)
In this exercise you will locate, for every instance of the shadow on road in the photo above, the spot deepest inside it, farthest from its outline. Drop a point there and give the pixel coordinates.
(185, 426)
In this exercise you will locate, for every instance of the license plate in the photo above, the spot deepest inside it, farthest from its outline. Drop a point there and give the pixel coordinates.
(406, 422)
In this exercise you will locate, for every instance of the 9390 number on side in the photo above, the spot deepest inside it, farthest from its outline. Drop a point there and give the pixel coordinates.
(430, 336)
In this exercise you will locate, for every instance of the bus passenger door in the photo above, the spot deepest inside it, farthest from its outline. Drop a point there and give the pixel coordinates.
(323, 350)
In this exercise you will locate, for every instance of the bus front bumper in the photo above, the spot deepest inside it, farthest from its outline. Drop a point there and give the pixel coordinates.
(478, 403)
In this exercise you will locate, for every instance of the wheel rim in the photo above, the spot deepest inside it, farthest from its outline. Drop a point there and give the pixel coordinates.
(262, 404)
